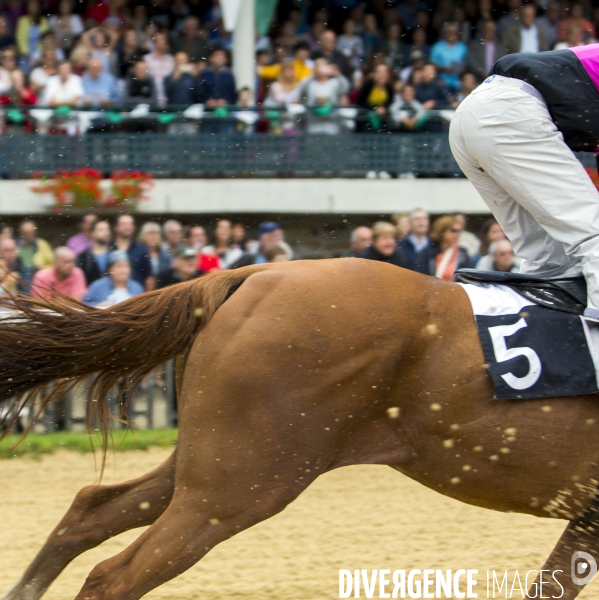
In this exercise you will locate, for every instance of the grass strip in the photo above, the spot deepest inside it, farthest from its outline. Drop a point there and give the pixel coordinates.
(123, 440)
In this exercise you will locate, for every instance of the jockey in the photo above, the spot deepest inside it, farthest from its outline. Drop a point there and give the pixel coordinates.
(513, 137)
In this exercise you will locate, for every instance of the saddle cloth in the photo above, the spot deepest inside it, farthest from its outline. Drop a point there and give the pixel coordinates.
(533, 351)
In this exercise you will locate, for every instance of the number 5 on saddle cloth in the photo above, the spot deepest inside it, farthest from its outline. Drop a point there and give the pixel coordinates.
(535, 342)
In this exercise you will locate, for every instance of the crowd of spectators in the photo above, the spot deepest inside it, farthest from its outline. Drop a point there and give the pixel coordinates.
(439, 249)
(396, 59)
(107, 263)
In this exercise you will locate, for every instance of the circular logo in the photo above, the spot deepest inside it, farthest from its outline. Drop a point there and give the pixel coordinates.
(583, 567)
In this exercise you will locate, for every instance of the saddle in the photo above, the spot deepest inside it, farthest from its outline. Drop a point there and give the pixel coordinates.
(567, 294)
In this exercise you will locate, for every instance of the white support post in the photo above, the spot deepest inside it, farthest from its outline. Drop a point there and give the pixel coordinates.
(244, 42)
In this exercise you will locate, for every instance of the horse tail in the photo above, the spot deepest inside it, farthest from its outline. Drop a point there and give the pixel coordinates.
(48, 346)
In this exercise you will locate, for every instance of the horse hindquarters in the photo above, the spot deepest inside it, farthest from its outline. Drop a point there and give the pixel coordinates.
(261, 417)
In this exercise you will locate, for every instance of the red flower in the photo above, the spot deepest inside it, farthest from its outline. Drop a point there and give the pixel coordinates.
(81, 188)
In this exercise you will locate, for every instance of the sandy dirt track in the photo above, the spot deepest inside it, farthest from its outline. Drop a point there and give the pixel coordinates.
(359, 517)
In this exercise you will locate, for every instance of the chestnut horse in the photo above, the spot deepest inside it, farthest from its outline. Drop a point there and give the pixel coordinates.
(286, 372)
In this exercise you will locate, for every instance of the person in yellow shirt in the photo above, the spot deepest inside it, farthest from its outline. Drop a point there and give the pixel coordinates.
(30, 28)
(302, 64)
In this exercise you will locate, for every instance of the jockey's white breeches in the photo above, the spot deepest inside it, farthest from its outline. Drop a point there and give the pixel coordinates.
(504, 140)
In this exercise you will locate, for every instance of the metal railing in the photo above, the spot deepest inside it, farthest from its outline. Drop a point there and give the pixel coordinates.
(228, 155)
(246, 155)
(162, 116)
(151, 406)
(193, 141)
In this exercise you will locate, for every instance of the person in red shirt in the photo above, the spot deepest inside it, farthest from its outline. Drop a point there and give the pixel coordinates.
(64, 277)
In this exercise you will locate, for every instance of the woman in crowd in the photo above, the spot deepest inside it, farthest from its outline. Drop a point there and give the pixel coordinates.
(150, 236)
(100, 43)
(402, 225)
(350, 44)
(445, 255)
(384, 245)
(491, 232)
(285, 90)
(128, 52)
(574, 38)
(223, 247)
(8, 64)
(239, 236)
(376, 95)
(117, 286)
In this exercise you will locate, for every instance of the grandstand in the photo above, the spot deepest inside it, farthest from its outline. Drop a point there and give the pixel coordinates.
(255, 108)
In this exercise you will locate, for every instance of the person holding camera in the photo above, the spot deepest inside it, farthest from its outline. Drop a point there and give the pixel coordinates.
(101, 43)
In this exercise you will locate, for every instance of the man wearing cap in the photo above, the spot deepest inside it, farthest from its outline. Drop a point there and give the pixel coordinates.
(417, 61)
(183, 269)
(115, 287)
(269, 234)
(62, 278)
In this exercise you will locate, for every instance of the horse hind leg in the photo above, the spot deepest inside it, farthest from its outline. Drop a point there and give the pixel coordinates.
(581, 535)
(183, 535)
(98, 513)
(229, 477)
